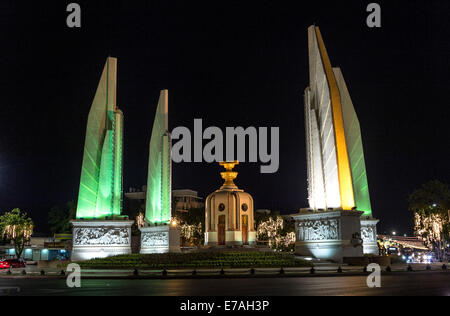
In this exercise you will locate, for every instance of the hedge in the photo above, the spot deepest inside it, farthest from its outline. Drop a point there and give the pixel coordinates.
(200, 260)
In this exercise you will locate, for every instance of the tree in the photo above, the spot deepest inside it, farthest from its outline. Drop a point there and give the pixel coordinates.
(59, 218)
(193, 216)
(18, 228)
(278, 232)
(192, 224)
(262, 217)
(431, 204)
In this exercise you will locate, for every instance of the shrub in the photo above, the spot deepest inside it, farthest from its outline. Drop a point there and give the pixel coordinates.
(207, 259)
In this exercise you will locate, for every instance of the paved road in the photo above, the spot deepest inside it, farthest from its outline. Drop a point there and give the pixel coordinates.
(415, 283)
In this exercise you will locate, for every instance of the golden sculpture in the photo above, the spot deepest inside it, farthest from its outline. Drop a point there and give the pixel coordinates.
(229, 175)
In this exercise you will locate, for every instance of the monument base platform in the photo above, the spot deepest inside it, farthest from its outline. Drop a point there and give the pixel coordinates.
(232, 238)
(100, 238)
(369, 235)
(160, 239)
(330, 235)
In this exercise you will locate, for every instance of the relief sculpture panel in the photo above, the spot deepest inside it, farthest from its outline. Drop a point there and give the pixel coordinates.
(327, 229)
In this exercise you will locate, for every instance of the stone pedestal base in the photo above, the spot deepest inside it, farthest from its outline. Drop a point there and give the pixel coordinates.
(329, 235)
(100, 238)
(232, 238)
(369, 235)
(160, 239)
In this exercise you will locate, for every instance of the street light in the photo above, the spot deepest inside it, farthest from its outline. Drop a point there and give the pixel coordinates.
(394, 233)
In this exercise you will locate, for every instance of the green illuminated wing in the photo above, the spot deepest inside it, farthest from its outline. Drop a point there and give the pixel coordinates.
(158, 204)
(355, 148)
(101, 173)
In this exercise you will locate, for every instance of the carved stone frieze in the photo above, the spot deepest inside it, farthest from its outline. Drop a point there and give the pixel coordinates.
(101, 236)
(323, 229)
(152, 239)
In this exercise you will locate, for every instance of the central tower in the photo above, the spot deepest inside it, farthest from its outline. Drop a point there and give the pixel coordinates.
(229, 217)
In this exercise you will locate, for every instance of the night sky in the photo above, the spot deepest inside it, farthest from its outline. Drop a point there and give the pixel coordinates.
(231, 64)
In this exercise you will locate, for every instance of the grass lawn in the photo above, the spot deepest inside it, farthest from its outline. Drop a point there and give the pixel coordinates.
(197, 260)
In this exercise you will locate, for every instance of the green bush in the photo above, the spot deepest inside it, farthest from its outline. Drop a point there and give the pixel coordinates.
(206, 259)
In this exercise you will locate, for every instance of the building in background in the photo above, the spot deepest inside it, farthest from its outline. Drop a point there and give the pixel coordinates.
(185, 200)
(41, 248)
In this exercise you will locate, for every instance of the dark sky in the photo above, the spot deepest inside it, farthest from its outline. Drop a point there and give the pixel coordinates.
(231, 64)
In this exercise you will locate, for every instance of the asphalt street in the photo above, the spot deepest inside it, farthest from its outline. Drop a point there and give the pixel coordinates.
(401, 283)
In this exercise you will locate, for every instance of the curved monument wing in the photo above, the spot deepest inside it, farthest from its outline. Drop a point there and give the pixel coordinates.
(355, 147)
(158, 204)
(101, 174)
(336, 168)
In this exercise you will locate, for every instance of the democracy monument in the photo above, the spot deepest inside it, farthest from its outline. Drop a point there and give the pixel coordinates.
(338, 222)
(99, 229)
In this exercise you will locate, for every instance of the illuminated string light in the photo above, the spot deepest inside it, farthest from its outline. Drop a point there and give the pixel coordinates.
(189, 231)
(270, 230)
(430, 227)
(140, 220)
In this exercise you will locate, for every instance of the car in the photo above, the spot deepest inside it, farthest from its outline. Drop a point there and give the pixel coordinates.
(15, 263)
(4, 265)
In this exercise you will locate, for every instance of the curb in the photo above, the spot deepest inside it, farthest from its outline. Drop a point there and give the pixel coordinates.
(217, 276)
